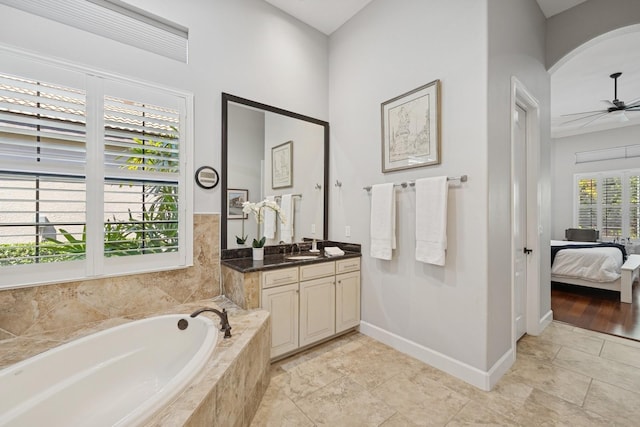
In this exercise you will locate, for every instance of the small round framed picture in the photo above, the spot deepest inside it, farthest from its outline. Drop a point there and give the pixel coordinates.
(207, 177)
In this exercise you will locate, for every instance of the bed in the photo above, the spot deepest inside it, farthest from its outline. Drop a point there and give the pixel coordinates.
(596, 265)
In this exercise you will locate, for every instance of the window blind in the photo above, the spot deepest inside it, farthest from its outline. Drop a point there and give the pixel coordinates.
(587, 203)
(611, 207)
(115, 20)
(42, 172)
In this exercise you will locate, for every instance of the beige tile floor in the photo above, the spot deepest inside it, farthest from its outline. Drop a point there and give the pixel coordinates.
(565, 377)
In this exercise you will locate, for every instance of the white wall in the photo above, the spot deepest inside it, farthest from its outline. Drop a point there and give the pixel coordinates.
(245, 127)
(247, 48)
(564, 167)
(391, 47)
(516, 48)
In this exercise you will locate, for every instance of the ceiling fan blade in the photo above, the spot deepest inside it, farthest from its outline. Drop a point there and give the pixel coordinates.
(598, 113)
(593, 120)
(584, 112)
(634, 103)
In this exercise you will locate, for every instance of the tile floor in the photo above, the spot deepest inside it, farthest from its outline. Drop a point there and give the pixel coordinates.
(565, 377)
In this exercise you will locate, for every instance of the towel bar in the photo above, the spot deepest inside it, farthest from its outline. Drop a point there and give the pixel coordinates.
(461, 178)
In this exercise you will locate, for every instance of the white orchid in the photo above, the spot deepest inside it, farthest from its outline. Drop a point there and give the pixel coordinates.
(257, 209)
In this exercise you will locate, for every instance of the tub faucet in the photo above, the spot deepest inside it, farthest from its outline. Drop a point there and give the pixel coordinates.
(224, 320)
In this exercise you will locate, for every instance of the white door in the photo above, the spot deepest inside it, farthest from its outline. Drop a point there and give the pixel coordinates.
(519, 200)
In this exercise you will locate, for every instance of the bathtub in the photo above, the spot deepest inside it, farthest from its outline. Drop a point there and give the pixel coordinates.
(117, 377)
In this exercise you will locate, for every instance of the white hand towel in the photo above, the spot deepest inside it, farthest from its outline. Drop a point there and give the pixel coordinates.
(270, 220)
(383, 221)
(286, 229)
(431, 219)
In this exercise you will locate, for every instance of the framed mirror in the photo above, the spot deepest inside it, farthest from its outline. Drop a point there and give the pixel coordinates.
(271, 152)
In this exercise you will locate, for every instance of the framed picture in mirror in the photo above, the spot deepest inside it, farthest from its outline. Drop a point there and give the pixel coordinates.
(235, 199)
(282, 165)
(411, 129)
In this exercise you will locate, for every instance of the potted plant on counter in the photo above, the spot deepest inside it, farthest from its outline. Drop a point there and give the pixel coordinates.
(257, 209)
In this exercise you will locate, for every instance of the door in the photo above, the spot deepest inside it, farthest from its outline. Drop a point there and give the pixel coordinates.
(317, 309)
(519, 200)
(282, 303)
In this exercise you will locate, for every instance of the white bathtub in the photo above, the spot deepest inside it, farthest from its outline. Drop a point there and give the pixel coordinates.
(117, 377)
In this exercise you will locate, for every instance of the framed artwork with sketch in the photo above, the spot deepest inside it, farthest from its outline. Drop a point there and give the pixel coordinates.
(411, 129)
(282, 165)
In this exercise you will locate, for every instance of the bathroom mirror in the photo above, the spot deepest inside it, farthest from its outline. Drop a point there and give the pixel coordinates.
(268, 151)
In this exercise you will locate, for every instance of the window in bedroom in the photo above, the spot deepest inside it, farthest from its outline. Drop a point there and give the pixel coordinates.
(92, 175)
(609, 201)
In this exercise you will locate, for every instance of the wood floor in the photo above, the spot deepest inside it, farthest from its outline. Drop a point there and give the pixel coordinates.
(597, 310)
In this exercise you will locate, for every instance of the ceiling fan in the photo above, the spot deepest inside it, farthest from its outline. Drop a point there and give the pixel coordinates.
(614, 107)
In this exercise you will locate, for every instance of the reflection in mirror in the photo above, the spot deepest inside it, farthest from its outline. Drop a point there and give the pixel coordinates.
(268, 152)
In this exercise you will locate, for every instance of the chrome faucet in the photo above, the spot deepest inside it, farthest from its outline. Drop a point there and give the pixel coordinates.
(224, 320)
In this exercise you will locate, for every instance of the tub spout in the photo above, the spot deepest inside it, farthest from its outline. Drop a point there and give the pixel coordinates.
(224, 320)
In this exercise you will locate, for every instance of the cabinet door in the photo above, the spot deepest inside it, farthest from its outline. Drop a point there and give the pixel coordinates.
(282, 303)
(347, 301)
(317, 309)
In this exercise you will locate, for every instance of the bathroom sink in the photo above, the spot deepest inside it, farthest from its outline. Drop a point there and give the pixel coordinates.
(302, 257)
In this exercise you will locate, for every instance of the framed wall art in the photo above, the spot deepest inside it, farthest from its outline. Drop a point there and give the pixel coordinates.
(411, 129)
(282, 165)
(235, 199)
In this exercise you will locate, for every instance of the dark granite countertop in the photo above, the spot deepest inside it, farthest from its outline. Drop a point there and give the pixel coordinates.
(276, 256)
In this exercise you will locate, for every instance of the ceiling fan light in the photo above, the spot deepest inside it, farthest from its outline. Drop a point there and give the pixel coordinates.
(621, 116)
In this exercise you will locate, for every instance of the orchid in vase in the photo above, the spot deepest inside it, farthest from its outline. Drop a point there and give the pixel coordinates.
(257, 209)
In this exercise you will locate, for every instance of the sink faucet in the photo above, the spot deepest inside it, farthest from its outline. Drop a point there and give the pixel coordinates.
(295, 246)
(224, 320)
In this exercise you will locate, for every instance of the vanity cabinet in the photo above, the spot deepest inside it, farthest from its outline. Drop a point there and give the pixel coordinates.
(317, 302)
(311, 303)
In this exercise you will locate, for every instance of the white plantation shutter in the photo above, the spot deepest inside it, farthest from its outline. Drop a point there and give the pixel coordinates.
(92, 177)
(142, 171)
(634, 206)
(42, 169)
(587, 203)
(609, 202)
(611, 207)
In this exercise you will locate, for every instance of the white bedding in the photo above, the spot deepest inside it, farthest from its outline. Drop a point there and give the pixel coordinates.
(592, 264)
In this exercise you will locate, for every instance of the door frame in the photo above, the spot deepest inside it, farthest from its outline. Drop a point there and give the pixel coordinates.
(521, 96)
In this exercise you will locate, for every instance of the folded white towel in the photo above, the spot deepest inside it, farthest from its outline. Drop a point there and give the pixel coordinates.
(333, 251)
(270, 220)
(286, 229)
(383, 221)
(431, 219)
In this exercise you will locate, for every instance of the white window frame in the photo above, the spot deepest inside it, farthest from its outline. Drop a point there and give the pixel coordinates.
(599, 176)
(95, 265)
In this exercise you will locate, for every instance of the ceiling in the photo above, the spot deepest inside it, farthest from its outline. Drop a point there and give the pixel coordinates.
(582, 83)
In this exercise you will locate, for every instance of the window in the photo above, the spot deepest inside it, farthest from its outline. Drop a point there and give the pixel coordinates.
(92, 176)
(609, 202)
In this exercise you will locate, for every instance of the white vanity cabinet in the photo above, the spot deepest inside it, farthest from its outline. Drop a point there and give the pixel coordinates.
(347, 294)
(310, 303)
(280, 297)
(317, 302)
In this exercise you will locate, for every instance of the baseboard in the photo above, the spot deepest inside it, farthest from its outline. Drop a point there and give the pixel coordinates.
(474, 376)
(545, 321)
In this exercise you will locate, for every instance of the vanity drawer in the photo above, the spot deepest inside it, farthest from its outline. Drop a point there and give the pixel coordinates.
(284, 276)
(317, 270)
(347, 265)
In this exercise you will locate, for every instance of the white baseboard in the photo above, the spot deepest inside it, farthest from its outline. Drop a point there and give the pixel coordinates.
(545, 321)
(474, 376)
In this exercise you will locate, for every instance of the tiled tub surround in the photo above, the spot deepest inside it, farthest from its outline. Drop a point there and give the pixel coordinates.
(227, 391)
(37, 309)
(241, 275)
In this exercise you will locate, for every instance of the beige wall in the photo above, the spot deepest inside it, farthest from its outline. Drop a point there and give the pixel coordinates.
(37, 309)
